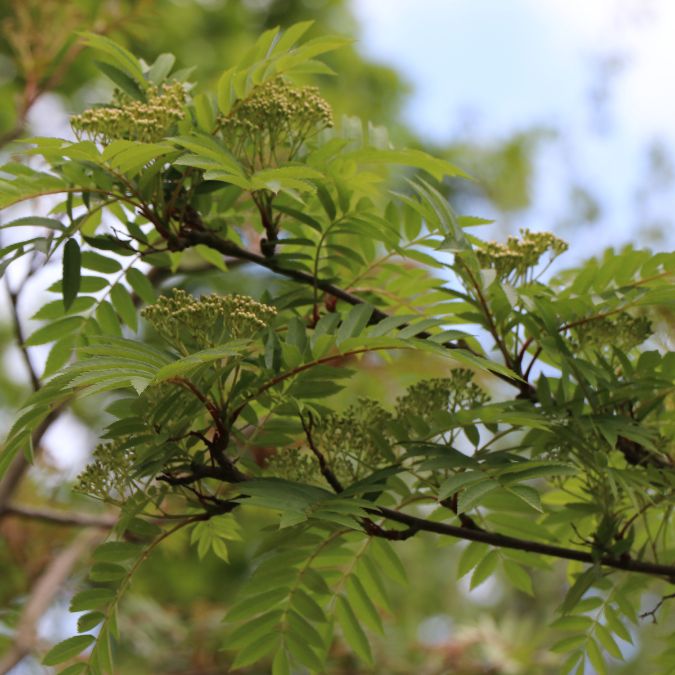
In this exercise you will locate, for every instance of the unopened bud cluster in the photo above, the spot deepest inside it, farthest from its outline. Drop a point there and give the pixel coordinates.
(356, 439)
(622, 331)
(276, 118)
(295, 464)
(199, 323)
(448, 394)
(108, 475)
(366, 436)
(134, 120)
(519, 254)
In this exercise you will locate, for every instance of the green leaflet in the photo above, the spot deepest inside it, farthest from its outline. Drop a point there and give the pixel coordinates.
(189, 363)
(67, 649)
(415, 158)
(354, 322)
(122, 58)
(352, 630)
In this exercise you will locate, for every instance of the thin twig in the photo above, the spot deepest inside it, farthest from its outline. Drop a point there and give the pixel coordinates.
(324, 467)
(369, 526)
(18, 334)
(652, 612)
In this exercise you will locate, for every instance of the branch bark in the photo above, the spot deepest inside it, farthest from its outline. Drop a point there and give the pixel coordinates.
(416, 524)
(43, 594)
(58, 517)
(503, 541)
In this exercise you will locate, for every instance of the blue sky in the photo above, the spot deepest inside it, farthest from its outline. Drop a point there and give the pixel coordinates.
(495, 67)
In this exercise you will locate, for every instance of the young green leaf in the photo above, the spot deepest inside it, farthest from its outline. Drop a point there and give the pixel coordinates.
(354, 323)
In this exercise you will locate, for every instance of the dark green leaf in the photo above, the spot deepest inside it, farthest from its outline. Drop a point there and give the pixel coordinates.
(99, 263)
(71, 272)
(104, 572)
(582, 583)
(300, 650)
(256, 650)
(88, 621)
(67, 649)
(351, 629)
(484, 569)
(91, 599)
(124, 305)
(127, 84)
(474, 493)
(354, 322)
(116, 551)
(472, 554)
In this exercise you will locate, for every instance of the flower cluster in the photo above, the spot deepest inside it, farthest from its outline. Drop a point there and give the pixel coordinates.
(357, 439)
(189, 323)
(108, 475)
(134, 120)
(271, 125)
(365, 436)
(623, 331)
(448, 394)
(519, 254)
(295, 464)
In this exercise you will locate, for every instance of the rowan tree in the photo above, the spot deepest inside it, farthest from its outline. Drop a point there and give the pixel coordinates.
(233, 399)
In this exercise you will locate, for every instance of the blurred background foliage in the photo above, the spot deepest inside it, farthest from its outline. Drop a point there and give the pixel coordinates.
(172, 618)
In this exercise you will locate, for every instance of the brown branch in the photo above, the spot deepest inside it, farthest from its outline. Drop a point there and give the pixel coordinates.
(465, 521)
(324, 467)
(503, 541)
(205, 400)
(58, 517)
(415, 524)
(468, 531)
(43, 594)
(18, 334)
(369, 526)
(231, 249)
(523, 351)
(534, 358)
(633, 452)
(201, 472)
(219, 444)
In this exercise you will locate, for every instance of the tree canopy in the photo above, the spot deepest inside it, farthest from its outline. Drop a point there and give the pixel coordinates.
(309, 361)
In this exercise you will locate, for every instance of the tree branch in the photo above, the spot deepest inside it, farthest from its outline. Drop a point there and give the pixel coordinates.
(503, 541)
(43, 594)
(58, 517)
(18, 334)
(369, 526)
